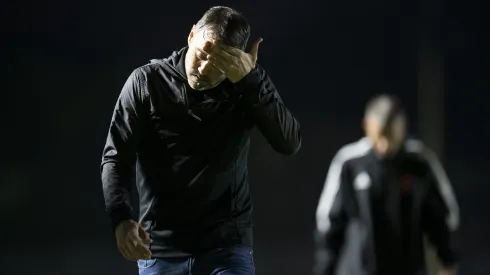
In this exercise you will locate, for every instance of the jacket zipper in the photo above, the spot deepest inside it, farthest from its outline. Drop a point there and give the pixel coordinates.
(183, 93)
(186, 103)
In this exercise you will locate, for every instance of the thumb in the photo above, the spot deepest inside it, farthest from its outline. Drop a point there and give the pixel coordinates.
(254, 50)
(143, 235)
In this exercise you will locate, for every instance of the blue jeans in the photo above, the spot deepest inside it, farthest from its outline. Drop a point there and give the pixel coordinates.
(234, 260)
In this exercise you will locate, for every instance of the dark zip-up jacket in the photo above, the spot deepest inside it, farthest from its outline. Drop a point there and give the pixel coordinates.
(374, 212)
(190, 152)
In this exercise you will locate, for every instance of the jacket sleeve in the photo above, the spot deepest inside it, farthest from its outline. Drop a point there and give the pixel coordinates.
(273, 119)
(119, 153)
(331, 219)
(441, 213)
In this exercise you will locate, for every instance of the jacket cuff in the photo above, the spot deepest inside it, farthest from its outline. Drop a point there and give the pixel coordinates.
(249, 86)
(118, 215)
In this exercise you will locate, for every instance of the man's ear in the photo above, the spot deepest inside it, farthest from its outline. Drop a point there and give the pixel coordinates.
(191, 35)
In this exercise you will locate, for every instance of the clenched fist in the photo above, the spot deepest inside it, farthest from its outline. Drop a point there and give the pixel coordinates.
(132, 241)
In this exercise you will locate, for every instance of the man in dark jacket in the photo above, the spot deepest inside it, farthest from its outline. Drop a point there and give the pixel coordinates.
(185, 122)
(381, 196)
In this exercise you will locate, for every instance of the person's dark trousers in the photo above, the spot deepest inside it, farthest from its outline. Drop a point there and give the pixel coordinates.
(234, 260)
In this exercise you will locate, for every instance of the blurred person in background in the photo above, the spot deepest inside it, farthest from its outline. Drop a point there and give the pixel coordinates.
(185, 122)
(382, 195)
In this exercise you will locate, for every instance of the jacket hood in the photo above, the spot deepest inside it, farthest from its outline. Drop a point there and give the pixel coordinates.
(174, 64)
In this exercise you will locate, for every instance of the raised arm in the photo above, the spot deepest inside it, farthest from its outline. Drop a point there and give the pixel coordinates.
(261, 98)
(273, 119)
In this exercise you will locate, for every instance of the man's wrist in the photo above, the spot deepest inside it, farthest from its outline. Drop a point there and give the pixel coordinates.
(249, 86)
(119, 215)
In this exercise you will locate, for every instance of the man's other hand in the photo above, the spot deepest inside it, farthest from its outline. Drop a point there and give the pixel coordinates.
(132, 240)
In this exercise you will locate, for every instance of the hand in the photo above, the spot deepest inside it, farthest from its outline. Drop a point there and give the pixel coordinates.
(446, 271)
(233, 62)
(131, 241)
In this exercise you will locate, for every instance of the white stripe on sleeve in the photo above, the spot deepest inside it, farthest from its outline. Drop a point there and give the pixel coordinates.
(442, 181)
(332, 182)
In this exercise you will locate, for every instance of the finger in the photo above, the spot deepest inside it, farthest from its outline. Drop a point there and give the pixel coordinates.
(144, 236)
(254, 50)
(222, 55)
(132, 245)
(132, 252)
(132, 239)
(126, 253)
(210, 49)
(218, 62)
(217, 49)
(143, 252)
(140, 251)
(231, 52)
(135, 255)
(138, 248)
(207, 48)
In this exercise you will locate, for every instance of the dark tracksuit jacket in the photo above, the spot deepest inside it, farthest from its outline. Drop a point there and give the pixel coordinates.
(190, 151)
(373, 213)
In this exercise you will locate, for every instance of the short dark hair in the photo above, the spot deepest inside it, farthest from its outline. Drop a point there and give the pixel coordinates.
(228, 26)
(384, 107)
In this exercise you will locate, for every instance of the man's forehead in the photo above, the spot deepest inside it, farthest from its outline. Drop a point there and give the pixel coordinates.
(202, 36)
(381, 120)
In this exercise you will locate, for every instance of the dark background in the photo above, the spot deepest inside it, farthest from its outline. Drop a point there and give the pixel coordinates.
(66, 61)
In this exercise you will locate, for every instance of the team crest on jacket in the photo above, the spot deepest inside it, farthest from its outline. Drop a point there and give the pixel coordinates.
(362, 181)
